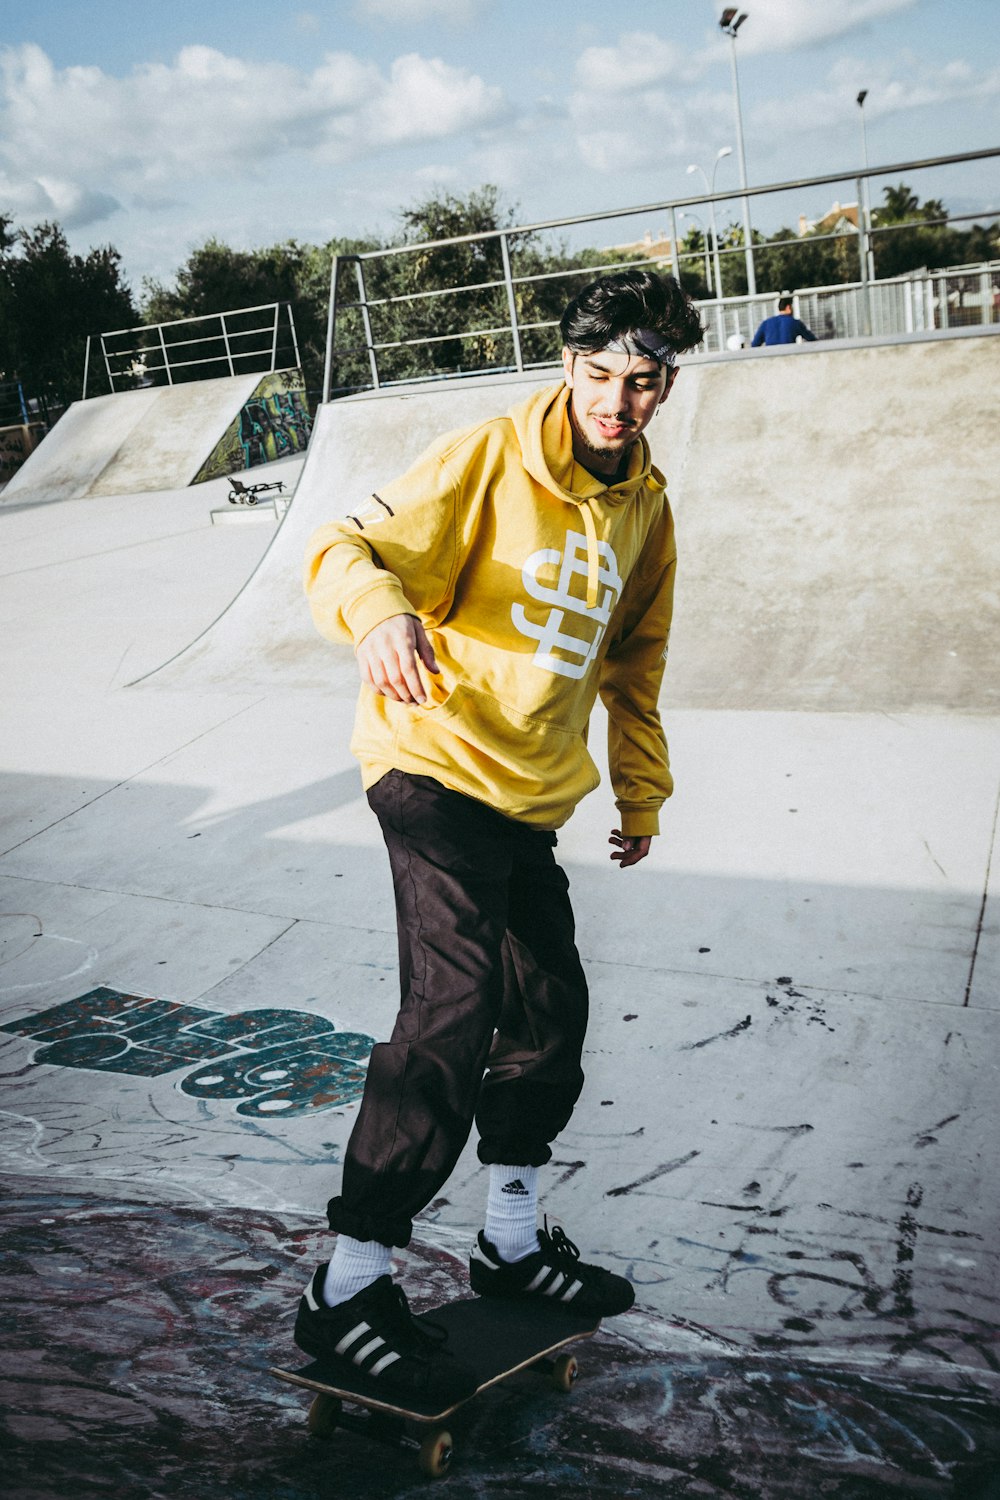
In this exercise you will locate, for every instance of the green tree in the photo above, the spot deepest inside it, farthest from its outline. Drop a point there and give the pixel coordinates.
(912, 236)
(51, 301)
(447, 296)
(445, 310)
(218, 279)
(691, 264)
(800, 261)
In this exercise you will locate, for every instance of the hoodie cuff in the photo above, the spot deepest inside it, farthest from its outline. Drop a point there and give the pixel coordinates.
(638, 822)
(378, 604)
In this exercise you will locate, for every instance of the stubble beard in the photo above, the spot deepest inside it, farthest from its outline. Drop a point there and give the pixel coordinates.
(604, 454)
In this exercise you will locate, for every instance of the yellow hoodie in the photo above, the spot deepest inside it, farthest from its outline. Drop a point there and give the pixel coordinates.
(538, 586)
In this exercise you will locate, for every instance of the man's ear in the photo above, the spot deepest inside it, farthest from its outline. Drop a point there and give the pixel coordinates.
(671, 377)
(568, 360)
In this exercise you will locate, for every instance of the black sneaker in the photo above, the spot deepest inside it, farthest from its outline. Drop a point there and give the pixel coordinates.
(372, 1343)
(554, 1271)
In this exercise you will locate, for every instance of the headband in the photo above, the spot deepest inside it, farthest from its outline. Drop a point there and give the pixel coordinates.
(644, 342)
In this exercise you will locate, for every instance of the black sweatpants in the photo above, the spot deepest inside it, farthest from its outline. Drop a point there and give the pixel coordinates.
(491, 983)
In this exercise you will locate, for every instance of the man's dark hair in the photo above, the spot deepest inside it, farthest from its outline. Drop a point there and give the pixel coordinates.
(622, 301)
(784, 304)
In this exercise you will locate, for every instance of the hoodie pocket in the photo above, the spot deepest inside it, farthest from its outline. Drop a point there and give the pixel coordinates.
(531, 758)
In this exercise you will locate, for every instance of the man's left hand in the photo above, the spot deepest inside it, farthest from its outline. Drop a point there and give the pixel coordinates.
(629, 851)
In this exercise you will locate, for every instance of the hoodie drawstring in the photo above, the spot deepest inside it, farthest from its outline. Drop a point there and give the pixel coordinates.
(593, 557)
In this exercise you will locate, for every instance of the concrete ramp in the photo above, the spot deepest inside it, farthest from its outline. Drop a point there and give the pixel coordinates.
(837, 526)
(836, 513)
(133, 442)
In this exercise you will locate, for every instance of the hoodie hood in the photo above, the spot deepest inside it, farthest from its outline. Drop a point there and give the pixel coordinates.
(545, 434)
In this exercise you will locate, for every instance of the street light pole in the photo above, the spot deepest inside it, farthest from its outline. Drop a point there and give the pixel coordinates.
(723, 151)
(732, 20)
(865, 207)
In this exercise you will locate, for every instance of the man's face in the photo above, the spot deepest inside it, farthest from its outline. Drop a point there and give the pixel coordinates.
(613, 397)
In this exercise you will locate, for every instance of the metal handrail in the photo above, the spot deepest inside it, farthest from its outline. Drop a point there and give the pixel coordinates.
(863, 234)
(157, 355)
(237, 312)
(920, 164)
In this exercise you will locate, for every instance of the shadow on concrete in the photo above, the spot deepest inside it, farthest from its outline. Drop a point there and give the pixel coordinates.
(763, 1153)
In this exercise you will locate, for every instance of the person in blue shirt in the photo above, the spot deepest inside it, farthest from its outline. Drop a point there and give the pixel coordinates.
(783, 328)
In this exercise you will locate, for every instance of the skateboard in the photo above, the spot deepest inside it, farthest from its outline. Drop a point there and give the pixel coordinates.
(496, 1337)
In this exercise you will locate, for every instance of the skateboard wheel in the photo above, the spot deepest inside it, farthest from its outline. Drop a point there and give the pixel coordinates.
(564, 1372)
(324, 1415)
(435, 1454)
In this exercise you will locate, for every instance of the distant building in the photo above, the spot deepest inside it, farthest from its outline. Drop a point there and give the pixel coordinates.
(653, 246)
(842, 218)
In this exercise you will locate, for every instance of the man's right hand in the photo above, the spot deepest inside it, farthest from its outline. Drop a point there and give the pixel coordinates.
(388, 658)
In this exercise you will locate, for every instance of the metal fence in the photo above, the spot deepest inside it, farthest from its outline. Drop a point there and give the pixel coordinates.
(251, 340)
(378, 297)
(958, 297)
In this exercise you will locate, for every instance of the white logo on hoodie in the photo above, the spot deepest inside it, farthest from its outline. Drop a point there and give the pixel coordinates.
(578, 651)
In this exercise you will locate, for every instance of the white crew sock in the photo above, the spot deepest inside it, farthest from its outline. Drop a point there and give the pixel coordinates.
(354, 1265)
(512, 1211)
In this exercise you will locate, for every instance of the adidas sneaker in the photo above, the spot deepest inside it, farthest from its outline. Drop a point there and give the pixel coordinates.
(373, 1343)
(555, 1272)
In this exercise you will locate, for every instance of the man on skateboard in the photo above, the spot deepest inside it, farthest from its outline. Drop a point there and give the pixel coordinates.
(520, 567)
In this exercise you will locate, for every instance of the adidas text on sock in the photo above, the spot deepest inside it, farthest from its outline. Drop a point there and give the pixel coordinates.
(512, 1211)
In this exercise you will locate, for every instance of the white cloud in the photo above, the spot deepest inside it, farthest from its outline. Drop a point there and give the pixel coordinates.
(657, 128)
(68, 136)
(32, 199)
(427, 99)
(637, 60)
(787, 25)
(892, 89)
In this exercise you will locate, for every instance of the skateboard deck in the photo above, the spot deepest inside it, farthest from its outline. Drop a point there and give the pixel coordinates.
(494, 1336)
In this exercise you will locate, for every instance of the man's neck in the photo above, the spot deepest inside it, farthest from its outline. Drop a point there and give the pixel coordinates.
(607, 475)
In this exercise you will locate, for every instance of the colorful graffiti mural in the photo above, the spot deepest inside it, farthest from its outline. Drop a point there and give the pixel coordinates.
(272, 1061)
(274, 423)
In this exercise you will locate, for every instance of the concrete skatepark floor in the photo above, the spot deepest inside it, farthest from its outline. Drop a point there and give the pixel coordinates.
(787, 1136)
(137, 1367)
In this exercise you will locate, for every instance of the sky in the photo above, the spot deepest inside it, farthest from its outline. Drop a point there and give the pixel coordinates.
(153, 127)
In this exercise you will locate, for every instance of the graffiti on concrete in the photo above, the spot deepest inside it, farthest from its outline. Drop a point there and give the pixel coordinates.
(144, 1331)
(274, 1062)
(16, 445)
(273, 423)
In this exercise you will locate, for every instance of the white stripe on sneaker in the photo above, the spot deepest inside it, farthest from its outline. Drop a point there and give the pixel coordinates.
(383, 1363)
(479, 1254)
(571, 1293)
(372, 1347)
(356, 1333)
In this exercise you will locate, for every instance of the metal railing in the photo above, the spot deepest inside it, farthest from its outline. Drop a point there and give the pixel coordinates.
(956, 297)
(13, 404)
(247, 341)
(511, 341)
